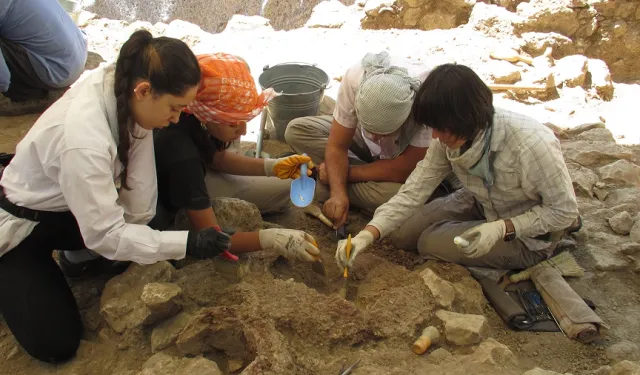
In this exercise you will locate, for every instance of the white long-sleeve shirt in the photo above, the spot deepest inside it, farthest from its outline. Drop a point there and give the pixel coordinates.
(532, 184)
(68, 161)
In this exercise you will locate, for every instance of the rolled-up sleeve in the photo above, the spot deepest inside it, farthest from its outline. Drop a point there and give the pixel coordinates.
(544, 174)
(86, 181)
(421, 183)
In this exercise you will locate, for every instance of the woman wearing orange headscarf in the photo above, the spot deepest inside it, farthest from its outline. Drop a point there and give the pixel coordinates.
(194, 167)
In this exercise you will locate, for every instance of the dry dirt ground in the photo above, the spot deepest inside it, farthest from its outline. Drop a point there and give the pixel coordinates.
(270, 316)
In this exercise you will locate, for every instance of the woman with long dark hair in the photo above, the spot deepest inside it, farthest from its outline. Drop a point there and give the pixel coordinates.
(84, 177)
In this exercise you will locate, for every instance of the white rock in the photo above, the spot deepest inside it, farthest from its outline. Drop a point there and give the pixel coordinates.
(571, 71)
(505, 72)
(438, 356)
(623, 350)
(121, 303)
(630, 248)
(165, 334)
(441, 289)
(162, 364)
(583, 179)
(239, 22)
(601, 78)
(492, 20)
(621, 171)
(329, 14)
(537, 43)
(626, 368)
(463, 329)
(621, 223)
(494, 353)
(607, 259)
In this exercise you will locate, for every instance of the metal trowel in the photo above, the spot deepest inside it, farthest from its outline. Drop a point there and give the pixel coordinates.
(303, 188)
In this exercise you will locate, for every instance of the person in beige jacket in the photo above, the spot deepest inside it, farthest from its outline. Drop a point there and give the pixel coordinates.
(517, 198)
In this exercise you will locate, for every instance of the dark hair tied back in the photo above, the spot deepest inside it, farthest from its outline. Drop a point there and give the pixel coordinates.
(167, 63)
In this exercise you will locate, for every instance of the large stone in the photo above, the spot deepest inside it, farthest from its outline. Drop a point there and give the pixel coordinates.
(442, 290)
(536, 43)
(161, 298)
(166, 333)
(242, 216)
(623, 350)
(601, 78)
(630, 248)
(595, 154)
(607, 259)
(596, 135)
(583, 179)
(626, 368)
(239, 22)
(621, 223)
(438, 356)
(571, 71)
(328, 14)
(621, 171)
(493, 352)
(163, 364)
(505, 72)
(463, 329)
(121, 304)
(469, 297)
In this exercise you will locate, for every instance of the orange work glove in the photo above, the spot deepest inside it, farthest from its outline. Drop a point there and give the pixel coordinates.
(287, 167)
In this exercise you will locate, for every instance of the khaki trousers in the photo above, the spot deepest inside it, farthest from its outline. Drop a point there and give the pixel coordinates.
(270, 194)
(431, 230)
(309, 135)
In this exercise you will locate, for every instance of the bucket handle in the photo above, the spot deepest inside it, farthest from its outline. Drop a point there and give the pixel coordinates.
(324, 86)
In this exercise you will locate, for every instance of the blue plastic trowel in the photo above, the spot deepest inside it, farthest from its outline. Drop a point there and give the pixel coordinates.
(303, 188)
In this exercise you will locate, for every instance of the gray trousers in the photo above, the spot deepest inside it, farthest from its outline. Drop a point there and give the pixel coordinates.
(309, 135)
(431, 230)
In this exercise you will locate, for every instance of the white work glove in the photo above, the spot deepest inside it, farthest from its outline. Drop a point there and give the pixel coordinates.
(358, 244)
(482, 238)
(290, 243)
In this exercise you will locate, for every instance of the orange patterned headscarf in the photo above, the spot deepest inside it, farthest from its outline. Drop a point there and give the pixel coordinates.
(227, 93)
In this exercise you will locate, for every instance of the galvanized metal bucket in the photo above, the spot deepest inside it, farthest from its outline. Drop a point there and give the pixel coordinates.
(302, 86)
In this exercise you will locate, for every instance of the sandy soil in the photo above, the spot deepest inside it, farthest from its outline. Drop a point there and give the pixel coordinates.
(304, 323)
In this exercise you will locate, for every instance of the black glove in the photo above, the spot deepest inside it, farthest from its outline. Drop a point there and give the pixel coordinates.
(207, 243)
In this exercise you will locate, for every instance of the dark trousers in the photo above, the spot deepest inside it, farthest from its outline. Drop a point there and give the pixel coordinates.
(35, 299)
(25, 84)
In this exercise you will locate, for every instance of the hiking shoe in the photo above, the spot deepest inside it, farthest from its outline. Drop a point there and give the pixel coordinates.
(93, 267)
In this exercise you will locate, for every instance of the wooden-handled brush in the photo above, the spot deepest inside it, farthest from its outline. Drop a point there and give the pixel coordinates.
(343, 290)
(564, 262)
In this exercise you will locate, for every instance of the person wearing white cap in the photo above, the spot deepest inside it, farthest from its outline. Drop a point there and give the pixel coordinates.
(370, 145)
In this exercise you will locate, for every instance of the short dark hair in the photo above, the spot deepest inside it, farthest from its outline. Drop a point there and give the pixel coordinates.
(454, 99)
